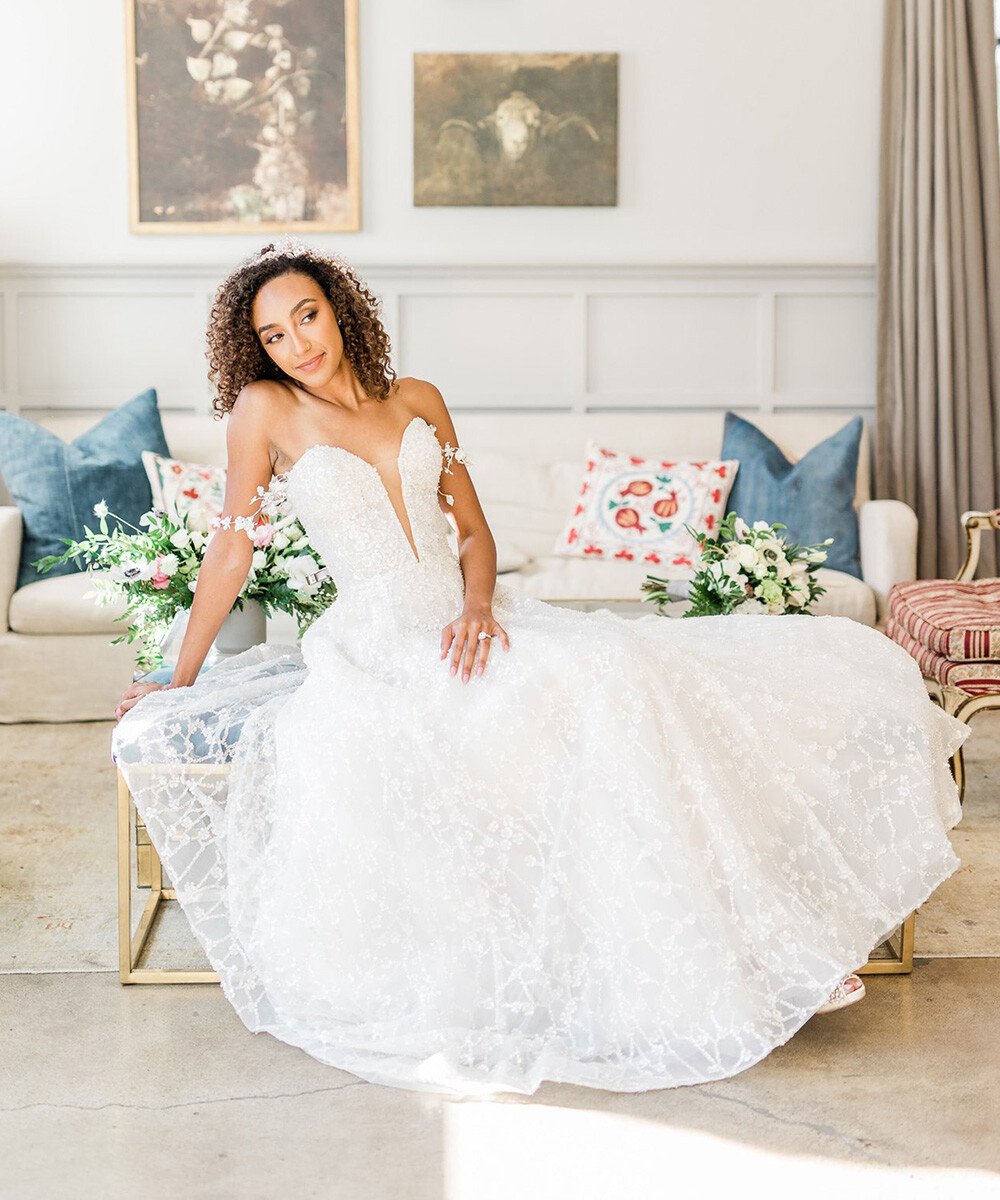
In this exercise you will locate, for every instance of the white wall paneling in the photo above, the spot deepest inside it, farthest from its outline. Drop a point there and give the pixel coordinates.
(502, 336)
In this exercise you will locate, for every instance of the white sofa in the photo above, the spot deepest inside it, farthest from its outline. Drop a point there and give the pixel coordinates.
(57, 663)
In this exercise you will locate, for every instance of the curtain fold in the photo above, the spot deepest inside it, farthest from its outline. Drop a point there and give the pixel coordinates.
(938, 403)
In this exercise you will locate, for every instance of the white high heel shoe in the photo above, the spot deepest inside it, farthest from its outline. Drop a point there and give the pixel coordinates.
(842, 996)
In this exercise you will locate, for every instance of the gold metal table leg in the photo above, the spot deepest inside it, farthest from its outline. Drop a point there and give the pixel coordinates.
(130, 946)
(900, 959)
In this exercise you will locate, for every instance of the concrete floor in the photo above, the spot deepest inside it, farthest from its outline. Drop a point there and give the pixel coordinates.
(111, 1092)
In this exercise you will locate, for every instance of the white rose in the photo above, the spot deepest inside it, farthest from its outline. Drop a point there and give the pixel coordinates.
(180, 539)
(731, 568)
(198, 520)
(746, 556)
(796, 599)
(259, 560)
(297, 569)
(751, 608)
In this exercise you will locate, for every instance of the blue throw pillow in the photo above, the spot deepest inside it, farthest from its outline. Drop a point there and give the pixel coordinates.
(56, 485)
(813, 497)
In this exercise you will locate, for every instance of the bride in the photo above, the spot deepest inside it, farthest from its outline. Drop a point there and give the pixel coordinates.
(466, 841)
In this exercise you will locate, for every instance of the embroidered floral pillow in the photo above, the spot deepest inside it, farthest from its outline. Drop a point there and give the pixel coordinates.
(634, 509)
(195, 491)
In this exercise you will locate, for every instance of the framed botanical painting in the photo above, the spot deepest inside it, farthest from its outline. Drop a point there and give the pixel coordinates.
(506, 129)
(243, 115)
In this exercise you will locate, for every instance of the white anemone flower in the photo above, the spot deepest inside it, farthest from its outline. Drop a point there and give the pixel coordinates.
(131, 571)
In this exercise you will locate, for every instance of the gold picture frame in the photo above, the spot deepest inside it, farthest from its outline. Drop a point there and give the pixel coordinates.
(242, 124)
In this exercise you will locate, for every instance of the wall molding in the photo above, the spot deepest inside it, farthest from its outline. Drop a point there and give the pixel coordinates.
(553, 336)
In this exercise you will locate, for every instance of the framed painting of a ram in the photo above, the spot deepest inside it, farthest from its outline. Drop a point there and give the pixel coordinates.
(243, 115)
(513, 129)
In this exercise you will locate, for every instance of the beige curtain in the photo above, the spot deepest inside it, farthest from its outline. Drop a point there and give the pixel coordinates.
(938, 421)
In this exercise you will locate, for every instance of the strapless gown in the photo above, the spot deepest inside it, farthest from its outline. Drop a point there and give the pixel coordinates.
(636, 853)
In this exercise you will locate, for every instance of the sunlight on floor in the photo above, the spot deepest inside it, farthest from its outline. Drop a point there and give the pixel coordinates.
(496, 1151)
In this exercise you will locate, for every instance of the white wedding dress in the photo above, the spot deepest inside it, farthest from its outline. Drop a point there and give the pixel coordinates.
(635, 853)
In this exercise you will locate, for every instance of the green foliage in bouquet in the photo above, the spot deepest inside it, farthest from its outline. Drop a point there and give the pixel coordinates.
(155, 568)
(748, 570)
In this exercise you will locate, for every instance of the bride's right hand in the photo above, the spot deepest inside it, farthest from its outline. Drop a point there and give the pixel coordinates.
(133, 695)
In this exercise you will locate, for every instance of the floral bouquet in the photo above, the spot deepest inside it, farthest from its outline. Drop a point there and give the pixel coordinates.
(748, 570)
(155, 568)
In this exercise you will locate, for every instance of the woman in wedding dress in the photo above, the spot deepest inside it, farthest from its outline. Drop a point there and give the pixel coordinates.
(465, 841)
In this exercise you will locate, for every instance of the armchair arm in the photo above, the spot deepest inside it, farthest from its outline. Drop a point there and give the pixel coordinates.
(975, 523)
(888, 534)
(10, 556)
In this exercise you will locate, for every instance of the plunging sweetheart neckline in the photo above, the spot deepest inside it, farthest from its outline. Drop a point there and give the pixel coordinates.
(378, 474)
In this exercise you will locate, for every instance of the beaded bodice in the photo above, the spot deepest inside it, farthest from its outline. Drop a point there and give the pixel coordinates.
(352, 522)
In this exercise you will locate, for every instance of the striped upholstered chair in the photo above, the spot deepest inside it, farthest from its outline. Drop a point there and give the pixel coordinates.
(952, 628)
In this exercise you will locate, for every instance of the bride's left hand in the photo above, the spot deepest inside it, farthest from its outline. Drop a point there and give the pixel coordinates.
(461, 636)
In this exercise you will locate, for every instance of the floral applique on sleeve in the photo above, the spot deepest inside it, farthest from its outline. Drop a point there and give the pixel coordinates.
(271, 504)
(453, 454)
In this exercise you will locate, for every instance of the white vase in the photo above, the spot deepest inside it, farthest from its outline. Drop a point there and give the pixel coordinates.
(240, 631)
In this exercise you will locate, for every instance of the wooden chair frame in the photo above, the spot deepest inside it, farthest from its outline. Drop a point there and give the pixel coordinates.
(953, 700)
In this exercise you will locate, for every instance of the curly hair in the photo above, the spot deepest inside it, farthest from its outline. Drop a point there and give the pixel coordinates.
(235, 354)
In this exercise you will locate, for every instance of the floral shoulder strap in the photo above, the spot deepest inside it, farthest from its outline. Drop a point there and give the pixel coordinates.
(453, 454)
(272, 508)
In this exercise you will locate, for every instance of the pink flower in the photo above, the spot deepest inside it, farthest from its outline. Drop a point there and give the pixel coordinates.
(160, 581)
(262, 535)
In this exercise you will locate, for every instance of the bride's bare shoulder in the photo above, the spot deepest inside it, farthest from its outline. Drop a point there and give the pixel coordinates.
(262, 396)
(260, 408)
(421, 398)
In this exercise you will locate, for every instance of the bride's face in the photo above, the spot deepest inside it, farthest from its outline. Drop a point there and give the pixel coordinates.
(297, 328)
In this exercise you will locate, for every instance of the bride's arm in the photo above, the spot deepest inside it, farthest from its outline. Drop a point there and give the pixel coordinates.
(477, 551)
(229, 551)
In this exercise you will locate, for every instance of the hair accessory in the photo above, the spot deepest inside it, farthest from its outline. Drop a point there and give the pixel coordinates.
(285, 246)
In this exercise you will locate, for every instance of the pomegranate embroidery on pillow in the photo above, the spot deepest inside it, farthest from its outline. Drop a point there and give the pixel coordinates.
(635, 509)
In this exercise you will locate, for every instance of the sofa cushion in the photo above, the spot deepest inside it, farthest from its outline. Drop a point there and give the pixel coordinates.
(636, 508)
(192, 492)
(56, 484)
(813, 497)
(64, 604)
(556, 578)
